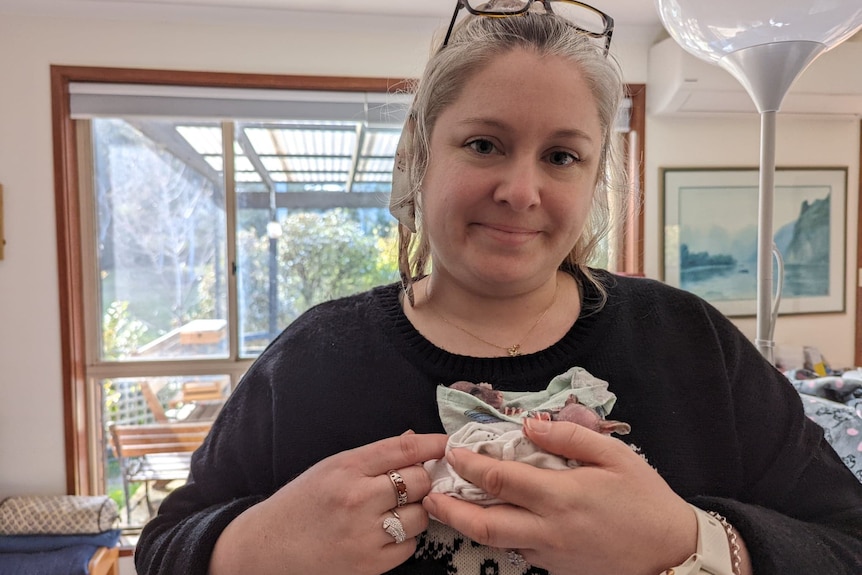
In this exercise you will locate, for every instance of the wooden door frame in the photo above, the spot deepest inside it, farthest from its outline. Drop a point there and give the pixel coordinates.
(857, 273)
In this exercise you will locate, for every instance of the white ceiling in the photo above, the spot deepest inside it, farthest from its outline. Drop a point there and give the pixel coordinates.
(636, 12)
(627, 13)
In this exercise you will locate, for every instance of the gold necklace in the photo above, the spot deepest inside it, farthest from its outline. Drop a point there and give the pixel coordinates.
(512, 350)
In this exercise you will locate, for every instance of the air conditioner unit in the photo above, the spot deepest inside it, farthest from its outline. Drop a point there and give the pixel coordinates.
(682, 84)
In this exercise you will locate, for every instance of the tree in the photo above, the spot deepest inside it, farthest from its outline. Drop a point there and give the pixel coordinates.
(159, 223)
(121, 336)
(321, 256)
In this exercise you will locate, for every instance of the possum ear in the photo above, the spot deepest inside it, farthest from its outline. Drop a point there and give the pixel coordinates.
(611, 426)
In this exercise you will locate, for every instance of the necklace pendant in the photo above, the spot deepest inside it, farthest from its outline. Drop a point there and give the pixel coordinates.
(515, 350)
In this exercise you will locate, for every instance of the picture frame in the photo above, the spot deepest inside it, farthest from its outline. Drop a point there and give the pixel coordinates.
(709, 236)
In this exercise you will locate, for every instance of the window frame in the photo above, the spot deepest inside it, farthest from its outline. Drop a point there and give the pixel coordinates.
(80, 410)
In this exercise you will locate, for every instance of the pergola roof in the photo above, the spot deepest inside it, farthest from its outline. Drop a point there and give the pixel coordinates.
(282, 157)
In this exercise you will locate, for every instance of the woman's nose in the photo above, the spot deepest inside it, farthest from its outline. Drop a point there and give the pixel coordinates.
(520, 184)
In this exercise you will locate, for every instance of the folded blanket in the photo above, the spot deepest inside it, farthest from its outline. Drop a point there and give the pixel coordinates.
(502, 440)
(67, 561)
(487, 421)
(39, 543)
(57, 514)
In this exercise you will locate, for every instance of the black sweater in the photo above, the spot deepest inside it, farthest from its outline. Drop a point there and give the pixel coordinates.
(721, 425)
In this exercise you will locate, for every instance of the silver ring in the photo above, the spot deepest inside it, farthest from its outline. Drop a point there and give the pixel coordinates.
(400, 487)
(394, 527)
(516, 558)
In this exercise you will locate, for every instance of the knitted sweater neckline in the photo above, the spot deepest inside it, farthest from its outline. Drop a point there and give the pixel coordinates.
(439, 363)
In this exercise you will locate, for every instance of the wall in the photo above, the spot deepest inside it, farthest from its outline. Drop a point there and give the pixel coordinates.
(735, 141)
(31, 417)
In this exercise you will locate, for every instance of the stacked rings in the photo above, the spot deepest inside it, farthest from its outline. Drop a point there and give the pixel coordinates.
(400, 487)
(394, 527)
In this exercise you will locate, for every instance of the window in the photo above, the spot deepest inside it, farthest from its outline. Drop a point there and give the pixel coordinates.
(198, 215)
(203, 220)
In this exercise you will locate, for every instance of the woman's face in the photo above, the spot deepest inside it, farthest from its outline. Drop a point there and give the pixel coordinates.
(511, 174)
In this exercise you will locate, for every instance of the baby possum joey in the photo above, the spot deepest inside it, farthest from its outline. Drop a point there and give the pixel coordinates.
(572, 410)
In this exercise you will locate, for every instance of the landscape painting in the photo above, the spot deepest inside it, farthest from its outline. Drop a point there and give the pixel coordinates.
(710, 236)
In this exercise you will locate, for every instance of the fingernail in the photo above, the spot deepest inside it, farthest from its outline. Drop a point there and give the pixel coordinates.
(409, 432)
(452, 456)
(428, 504)
(537, 425)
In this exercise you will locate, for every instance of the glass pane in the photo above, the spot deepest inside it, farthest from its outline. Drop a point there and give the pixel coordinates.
(308, 256)
(311, 219)
(151, 426)
(160, 222)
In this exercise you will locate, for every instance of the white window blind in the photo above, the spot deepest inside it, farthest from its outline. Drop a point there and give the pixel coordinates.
(92, 100)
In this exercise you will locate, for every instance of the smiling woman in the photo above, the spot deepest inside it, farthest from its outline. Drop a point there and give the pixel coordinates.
(506, 195)
(124, 331)
(501, 186)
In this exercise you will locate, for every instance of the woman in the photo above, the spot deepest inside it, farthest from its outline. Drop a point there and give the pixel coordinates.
(503, 174)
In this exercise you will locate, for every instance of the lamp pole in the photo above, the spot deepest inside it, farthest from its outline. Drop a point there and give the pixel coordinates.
(765, 45)
(767, 71)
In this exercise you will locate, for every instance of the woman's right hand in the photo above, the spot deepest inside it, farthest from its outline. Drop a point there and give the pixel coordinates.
(330, 518)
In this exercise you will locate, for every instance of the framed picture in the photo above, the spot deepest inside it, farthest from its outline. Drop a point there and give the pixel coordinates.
(710, 236)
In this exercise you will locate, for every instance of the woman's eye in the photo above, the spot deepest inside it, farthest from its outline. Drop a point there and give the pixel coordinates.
(562, 158)
(481, 146)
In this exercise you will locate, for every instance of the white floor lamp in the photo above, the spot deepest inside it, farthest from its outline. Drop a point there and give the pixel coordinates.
(765, 45)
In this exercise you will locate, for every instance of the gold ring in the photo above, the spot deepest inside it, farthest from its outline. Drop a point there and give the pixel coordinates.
(400, 487)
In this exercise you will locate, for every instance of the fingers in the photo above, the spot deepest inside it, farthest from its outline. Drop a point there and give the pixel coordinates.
(503, 526)
(517, 483)
(402, 455)
(531, 487)
(398, 452)
(575, 442)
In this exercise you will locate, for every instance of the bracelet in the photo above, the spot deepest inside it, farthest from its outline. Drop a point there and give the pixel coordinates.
(731, 539)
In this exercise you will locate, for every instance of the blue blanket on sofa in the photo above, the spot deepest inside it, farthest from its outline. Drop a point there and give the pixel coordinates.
(51, 554)
(72, 560)
(835, 403)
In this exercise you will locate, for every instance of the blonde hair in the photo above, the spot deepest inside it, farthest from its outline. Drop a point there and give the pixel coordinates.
(474, 43)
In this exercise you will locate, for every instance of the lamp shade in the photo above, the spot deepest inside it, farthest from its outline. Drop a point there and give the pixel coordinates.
(713, 29)
(765, 44)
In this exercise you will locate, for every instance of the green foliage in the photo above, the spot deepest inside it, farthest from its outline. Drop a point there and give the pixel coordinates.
(121, 334)
(320, 256)
(387, 257)
(325, 256)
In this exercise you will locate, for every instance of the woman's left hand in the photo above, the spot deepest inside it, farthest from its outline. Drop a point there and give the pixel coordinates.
(614, 514)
